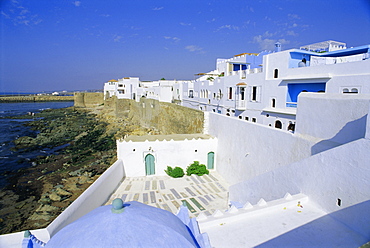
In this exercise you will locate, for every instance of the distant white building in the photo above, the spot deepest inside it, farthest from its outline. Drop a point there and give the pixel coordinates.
(133, 88)
(124, 88)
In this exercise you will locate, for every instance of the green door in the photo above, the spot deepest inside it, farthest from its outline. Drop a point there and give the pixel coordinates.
(210, 160)
(149, 164)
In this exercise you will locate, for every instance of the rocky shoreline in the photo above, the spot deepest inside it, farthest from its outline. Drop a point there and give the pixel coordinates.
(86, 138)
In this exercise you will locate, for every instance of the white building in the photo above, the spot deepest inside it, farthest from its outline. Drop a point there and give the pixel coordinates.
(124, 88)
(264, 88)
(307, 188)
(133, 88)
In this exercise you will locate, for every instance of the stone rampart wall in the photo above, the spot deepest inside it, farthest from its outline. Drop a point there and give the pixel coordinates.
(88, 99)
(168, 118)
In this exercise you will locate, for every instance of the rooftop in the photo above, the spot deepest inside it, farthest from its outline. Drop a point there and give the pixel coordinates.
(176, 137)
(202, 194)
(291, 222)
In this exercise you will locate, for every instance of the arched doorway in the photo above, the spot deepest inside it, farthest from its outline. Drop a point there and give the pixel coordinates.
(149, 165)
(278, 124)
(210, 160)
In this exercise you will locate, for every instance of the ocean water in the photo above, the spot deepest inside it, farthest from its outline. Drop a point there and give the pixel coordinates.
(11, 129)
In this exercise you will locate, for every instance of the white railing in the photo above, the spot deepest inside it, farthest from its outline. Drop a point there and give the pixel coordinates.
(243, 73)
(317, 60)
(240, 105)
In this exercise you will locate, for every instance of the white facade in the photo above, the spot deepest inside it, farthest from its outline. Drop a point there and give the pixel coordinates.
(124, 88)
(164, 150)
(133, 88)
(264, 88)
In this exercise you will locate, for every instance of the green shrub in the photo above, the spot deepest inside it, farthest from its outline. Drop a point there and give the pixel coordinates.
(175, 172)
(196, 168)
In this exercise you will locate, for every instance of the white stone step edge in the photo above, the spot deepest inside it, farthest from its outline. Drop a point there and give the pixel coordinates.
(261, 207)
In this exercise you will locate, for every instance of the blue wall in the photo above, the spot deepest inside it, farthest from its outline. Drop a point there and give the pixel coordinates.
(295, 89)
(236, 67)
(296, 57)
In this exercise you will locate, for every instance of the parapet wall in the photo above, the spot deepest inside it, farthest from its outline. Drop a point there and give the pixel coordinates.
(90, 99)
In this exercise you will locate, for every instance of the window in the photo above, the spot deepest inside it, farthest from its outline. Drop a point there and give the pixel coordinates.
(230, 93)
(276, 73)
(255, 92)
(353, 91)
(240, 117)
(246, 118)
(220, 95)
(254, 120)
(191, 94)
(291, 127)
(242, 93)
(273, 103)
(238, 67)
(121, 92)
(120, 85)
(339, 202)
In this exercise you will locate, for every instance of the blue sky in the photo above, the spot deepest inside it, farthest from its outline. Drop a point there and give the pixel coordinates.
(49, 45)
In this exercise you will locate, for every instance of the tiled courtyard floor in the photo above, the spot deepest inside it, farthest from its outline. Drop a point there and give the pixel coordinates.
(205, 193)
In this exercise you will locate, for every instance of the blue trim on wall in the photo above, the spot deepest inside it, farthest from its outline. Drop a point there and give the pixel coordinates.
(295, 89)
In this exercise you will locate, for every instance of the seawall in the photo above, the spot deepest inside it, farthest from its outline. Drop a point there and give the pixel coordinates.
(88, 99)
(165, 117)
(35, 98)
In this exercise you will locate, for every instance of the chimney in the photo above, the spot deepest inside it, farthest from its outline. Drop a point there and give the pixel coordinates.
(277, 47)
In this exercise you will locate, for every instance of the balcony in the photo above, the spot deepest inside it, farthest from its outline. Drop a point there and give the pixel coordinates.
(240, 105)
(243, 73)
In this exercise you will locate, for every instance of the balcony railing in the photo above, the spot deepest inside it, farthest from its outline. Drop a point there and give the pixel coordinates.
(316, 60)
(243, 73)
(240, 105)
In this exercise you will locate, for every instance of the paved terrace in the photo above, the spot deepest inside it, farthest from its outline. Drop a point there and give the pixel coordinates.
(202, 194)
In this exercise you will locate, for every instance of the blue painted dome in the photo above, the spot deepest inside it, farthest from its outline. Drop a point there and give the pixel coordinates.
(138, 225)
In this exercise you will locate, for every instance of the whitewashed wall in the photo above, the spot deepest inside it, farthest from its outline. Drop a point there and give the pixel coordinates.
(94, 196)
(247, 149)
(340, 173)
(166, 153)
(338, 167)
(334, 119)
